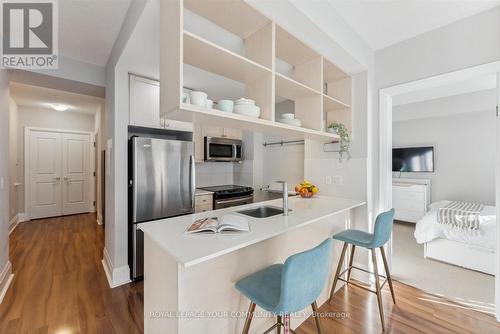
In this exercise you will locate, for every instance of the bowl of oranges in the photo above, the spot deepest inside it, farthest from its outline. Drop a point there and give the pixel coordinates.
(306, 189)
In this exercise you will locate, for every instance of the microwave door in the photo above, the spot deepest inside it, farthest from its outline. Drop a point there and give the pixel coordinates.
(220, 152)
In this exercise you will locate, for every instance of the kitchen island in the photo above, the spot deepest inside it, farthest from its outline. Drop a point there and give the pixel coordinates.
(189, 279)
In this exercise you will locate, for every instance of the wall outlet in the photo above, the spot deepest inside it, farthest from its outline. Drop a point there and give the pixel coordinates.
(337, 179)
(328, 179)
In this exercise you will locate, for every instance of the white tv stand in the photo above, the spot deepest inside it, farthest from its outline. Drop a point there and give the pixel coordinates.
(410, 198)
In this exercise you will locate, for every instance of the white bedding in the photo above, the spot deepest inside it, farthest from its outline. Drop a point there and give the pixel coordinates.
(428, 228)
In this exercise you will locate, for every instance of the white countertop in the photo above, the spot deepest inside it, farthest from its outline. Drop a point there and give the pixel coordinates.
(201, 192)
(192, 249)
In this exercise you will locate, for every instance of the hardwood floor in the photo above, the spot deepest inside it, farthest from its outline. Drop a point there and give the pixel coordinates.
(59, 284)
(60, 287)
(415, 312)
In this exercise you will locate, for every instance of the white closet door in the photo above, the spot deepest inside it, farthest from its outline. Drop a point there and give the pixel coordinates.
(75, 171)
(45, 174)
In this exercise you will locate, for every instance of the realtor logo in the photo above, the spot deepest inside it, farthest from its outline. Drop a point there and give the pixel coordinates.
(29, 34)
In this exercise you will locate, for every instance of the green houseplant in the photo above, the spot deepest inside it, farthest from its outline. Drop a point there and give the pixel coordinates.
(345, 138)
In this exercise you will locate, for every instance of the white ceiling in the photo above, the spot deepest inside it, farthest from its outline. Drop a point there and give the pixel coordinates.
(38, 97)
(88, 28)
(385, 22)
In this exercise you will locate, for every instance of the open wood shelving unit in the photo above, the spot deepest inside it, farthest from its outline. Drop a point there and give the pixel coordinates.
(320, 90)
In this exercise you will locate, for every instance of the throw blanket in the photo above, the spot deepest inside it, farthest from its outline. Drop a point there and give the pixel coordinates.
(461, 216)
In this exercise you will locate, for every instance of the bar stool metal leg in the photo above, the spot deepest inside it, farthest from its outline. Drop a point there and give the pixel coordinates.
(251, 309)
(316, 317)
(377, 285)
(339, 267)
(351, 258)
(387, 273)
(280, 322)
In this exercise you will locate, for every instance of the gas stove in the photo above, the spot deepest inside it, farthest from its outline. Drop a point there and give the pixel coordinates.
(230, 195)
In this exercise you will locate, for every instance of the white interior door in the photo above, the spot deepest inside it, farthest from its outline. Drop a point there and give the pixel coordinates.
(75, 171)
(45, 174)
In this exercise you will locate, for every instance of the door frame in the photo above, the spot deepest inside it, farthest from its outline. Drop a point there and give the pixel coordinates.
(385, 145)
(27, 133)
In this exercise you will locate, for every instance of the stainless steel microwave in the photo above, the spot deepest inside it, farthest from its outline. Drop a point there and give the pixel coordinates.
(222, 149)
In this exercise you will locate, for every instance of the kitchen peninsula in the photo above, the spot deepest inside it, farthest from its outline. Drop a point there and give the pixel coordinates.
(189, 279)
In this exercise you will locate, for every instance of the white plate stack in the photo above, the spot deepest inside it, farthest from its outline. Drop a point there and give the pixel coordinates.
(290, 119)
(246, 107)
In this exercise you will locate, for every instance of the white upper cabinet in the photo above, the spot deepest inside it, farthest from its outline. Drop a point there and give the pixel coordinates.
(145, 105)
(144, 101)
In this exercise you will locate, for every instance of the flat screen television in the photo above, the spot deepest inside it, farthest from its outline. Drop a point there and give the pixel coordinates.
(413, 159)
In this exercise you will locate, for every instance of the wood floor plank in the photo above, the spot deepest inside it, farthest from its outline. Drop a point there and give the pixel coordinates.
(60, 287)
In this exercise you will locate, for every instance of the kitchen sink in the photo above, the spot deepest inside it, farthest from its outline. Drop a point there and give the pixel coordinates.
(262, 212)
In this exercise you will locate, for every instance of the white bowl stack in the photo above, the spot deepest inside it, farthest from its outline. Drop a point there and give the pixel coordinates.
(246, 107)
(290, 119)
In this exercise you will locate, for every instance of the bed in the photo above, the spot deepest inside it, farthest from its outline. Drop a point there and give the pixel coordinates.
(474, 251)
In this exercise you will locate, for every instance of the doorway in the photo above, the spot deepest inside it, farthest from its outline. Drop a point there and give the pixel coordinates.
(56, 172)
(387, 96)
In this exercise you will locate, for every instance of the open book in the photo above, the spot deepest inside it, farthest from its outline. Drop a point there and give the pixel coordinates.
(217, 225)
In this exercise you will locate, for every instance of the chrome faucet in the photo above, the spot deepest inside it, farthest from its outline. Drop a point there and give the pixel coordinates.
(285, 197)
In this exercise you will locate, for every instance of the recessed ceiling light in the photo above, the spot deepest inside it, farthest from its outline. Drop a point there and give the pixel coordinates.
(60, 107)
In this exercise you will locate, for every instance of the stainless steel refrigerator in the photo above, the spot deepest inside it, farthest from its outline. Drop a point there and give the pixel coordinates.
(162, 184)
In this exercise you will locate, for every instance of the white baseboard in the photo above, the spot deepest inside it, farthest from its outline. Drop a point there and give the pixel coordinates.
(99, 219)
(6, 277)
(13, 223)
(22, 217)
(116, 276)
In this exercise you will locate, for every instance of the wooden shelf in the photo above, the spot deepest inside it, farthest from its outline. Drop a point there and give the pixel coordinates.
(333, 104)
(332, 72)
(264, 42)
(192, 113)
(211, 57)
(291, 89)
(291, 49)
(235, 16)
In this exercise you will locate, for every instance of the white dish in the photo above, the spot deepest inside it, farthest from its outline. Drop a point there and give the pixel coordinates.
(294, 122)
(288, 115)
(198, 98)
(225, 105)
(210, 104)
(244, 101)
(247, 110)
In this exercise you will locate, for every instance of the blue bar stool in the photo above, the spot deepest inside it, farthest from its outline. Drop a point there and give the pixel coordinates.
(290, 287)
(382, 234)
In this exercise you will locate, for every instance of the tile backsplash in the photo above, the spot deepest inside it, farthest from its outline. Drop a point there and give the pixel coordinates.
(214, 174)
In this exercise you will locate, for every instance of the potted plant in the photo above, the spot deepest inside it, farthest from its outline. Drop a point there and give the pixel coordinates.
(345, 138)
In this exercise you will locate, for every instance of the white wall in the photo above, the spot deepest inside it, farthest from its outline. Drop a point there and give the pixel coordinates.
(49, 119)
(116, 222)
(466, 43)
(5, 266)
(464, 153)
(13, 159)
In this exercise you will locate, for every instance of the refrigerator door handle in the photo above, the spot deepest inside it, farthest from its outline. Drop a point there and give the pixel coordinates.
(192, 179)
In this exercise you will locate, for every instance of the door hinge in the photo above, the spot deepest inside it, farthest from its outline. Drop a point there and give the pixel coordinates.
(497, 111)
(94, 203)
(94, 173)
(94, 144)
